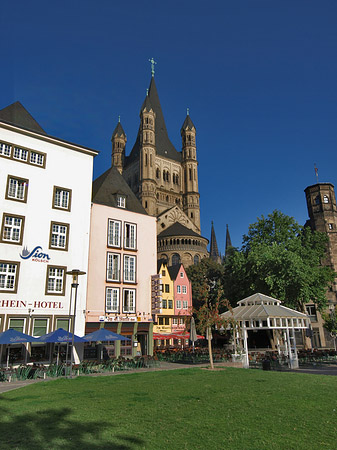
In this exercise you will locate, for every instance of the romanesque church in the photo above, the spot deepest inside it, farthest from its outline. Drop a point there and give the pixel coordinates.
(165, 180)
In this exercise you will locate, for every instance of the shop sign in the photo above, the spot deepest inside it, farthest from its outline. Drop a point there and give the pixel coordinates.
(26, 304)
(35, 255)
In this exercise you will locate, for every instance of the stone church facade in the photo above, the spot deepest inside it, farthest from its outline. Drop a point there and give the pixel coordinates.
(164, 180)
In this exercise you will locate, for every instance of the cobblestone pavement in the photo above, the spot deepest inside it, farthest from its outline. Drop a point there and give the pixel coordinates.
(318, 370)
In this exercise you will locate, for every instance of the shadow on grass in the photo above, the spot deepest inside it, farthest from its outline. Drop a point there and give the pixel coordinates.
(56, 429)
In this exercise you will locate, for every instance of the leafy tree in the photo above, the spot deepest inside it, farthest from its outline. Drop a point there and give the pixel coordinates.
(207, 273)
(282, 259)
(330, 324)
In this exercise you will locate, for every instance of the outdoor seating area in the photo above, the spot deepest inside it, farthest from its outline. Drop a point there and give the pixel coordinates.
(188, 356)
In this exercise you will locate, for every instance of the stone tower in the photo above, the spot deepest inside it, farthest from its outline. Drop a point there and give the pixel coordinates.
(322, 210)
(166, 181)
(118, 141)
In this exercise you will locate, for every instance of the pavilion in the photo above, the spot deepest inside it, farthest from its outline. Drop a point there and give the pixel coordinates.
(260, 312)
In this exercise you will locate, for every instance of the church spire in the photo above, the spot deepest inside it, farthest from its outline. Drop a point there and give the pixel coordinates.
(214, 252)
(228, 241)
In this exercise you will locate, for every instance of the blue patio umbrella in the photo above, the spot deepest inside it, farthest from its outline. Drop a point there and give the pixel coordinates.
(59, 336)
(12, 336)
(104, 335)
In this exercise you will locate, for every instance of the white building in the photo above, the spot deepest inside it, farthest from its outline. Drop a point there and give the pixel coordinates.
(45, 200)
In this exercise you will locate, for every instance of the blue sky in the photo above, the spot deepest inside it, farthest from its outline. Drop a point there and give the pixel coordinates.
(259, 77)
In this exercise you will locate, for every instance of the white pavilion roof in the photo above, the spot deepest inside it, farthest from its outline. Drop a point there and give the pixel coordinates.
(261, 307)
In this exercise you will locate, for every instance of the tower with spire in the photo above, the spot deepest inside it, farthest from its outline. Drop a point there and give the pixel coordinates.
(213, 250)
(164, 180)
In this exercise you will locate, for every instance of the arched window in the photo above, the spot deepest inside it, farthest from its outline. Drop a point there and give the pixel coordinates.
(196, 259)
(157, 173)
(317, 200)
(175, 259)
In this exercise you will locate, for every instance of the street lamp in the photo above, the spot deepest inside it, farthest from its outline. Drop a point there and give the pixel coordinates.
(75, 273)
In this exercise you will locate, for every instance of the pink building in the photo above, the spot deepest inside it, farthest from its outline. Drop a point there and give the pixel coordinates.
(182, 296)
(122, 258)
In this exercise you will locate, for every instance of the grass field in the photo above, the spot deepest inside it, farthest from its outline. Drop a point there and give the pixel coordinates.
(180, 409)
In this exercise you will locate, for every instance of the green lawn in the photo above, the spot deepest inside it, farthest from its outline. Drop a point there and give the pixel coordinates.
(181, 409)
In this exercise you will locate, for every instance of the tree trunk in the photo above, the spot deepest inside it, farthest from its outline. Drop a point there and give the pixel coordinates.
(209, 335)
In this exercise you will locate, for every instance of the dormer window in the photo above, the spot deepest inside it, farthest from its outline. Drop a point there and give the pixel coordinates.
(121, 201)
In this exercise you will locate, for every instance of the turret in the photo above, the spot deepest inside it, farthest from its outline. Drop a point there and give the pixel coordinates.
(190, 170)
(118, 140)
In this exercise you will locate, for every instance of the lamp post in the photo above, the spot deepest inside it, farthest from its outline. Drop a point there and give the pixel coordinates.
(75, 273)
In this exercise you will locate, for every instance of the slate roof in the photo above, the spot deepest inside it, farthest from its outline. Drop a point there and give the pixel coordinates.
(213, 251)
(163, 144)
(106, 187)
(16, 114)
(174, 270)
(188, 124)
(177, 229)
(118, 131)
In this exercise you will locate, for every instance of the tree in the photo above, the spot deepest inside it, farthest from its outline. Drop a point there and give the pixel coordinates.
(207, 273)
(282, 259)
(330, 324)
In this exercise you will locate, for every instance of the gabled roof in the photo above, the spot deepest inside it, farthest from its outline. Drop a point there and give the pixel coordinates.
(110, 184)
(16, 114)
(174, 270)
(178, 230)
(163, 144)
(161, 262)
(118, 131)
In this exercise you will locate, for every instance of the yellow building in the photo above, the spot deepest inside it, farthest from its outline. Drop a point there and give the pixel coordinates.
(163, 322)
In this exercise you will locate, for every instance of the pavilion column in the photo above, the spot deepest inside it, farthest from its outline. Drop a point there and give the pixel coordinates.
(294, 355)
(245, 344)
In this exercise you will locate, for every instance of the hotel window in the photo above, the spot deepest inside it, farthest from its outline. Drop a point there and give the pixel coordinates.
(178, 304)
(12, 229)
(63, 323)
(130, 231)
(112, 300)
(5, 149)
(129, 300)
(170, 304)
(114, 233)
(113, 267)
(37, 158)
(184, 290)
(9, 273)
(178, 289)
(184, 304)
(55, 284)
(164, 303)
(20, 153)
(17, 324)
(17, 189)
(129, 269)
(40, 327)
(121, 201)
(61, 198)
(59, 235)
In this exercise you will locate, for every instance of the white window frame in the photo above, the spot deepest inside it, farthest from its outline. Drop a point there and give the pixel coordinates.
(178, 289)
(59, 233)
(12, 229)
(129, 304)
(178, 304)
(16, 189)
(121, 200)
(185, 304)
(5, 149)
(9, 276)
(10, 325)
(55, 283)
(62, 198)
(130, 236)
(181, 274)
(184, 289)
(112, 299)
(114, 233)
(20, 153)
(113, 267)
(129, 272)
(174, 320)
(36, 158)
(34, 322)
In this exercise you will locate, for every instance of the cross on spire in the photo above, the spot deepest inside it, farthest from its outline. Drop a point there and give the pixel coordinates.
(153, 62)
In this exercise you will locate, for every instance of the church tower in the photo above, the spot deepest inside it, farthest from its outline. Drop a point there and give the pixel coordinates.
(190, 170)
(118, 140)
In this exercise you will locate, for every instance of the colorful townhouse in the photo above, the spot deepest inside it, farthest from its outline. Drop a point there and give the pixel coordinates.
(176, 305)
(122, 261)
(45, 220)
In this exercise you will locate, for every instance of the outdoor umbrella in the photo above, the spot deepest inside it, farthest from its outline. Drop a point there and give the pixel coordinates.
(12, 336)
(103, 334)
(193, 332)
(59, 336)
